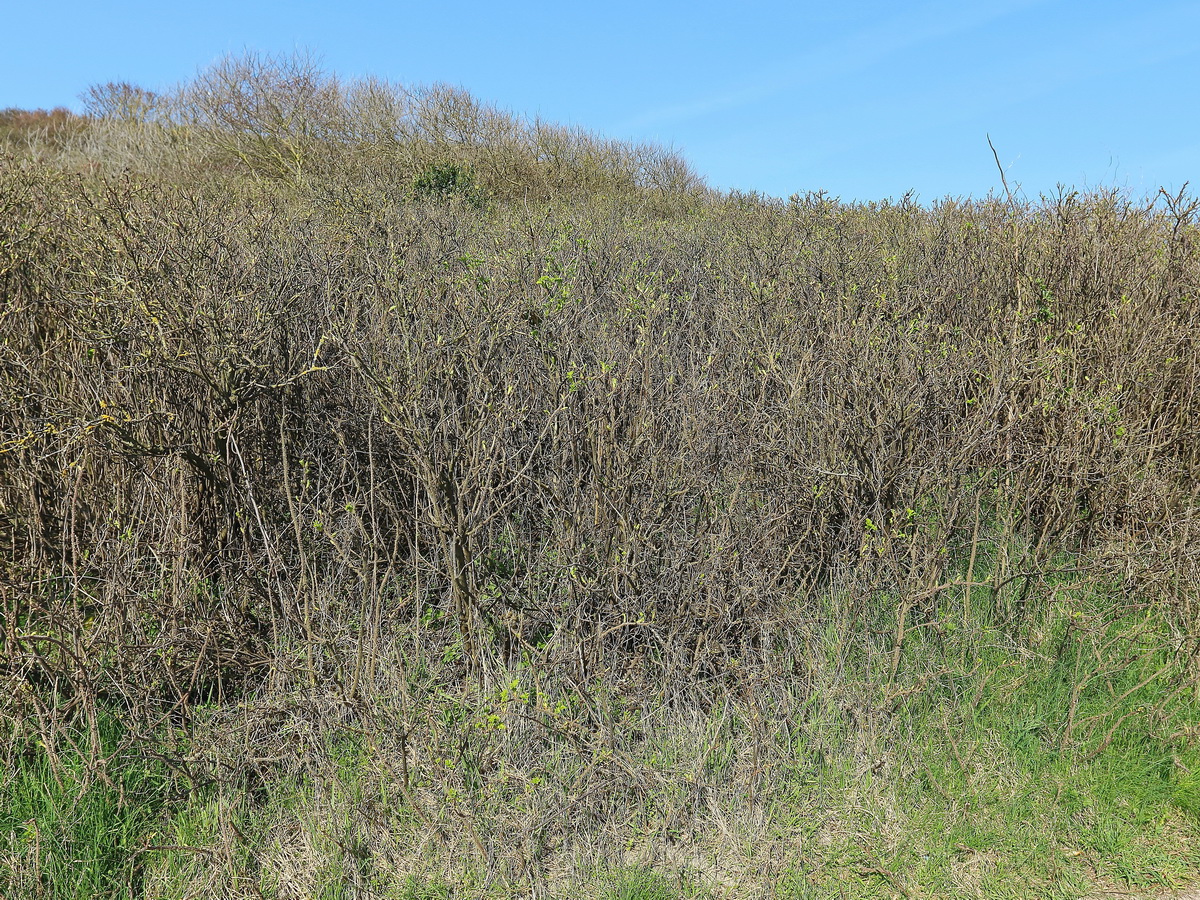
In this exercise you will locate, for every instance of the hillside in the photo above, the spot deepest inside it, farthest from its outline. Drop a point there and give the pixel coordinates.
(401, 498)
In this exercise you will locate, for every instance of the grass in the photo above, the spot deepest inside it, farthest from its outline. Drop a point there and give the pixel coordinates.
(644, 884)
(979, 781)
(991, 792)
(75, 832)
(989, 766)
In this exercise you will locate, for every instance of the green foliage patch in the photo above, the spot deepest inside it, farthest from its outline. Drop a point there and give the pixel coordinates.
(76, 829)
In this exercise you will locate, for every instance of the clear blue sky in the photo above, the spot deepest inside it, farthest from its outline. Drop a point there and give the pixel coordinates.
(863, 99)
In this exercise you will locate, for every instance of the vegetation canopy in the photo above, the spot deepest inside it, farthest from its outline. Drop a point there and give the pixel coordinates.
(401, 498)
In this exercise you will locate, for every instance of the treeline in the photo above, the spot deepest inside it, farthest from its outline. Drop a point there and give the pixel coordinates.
(362, 142)
(34, 130)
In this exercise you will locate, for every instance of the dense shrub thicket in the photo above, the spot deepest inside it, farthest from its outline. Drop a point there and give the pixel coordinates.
(294, 371)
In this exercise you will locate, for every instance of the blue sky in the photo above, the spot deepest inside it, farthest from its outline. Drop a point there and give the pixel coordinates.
(865, 100)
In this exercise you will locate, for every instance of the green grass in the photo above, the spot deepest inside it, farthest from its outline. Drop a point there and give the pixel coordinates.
(67, 835)
(640, 884)
(989, 768)
(992, 787)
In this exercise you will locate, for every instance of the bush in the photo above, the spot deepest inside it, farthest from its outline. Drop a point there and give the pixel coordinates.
(441, 182)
